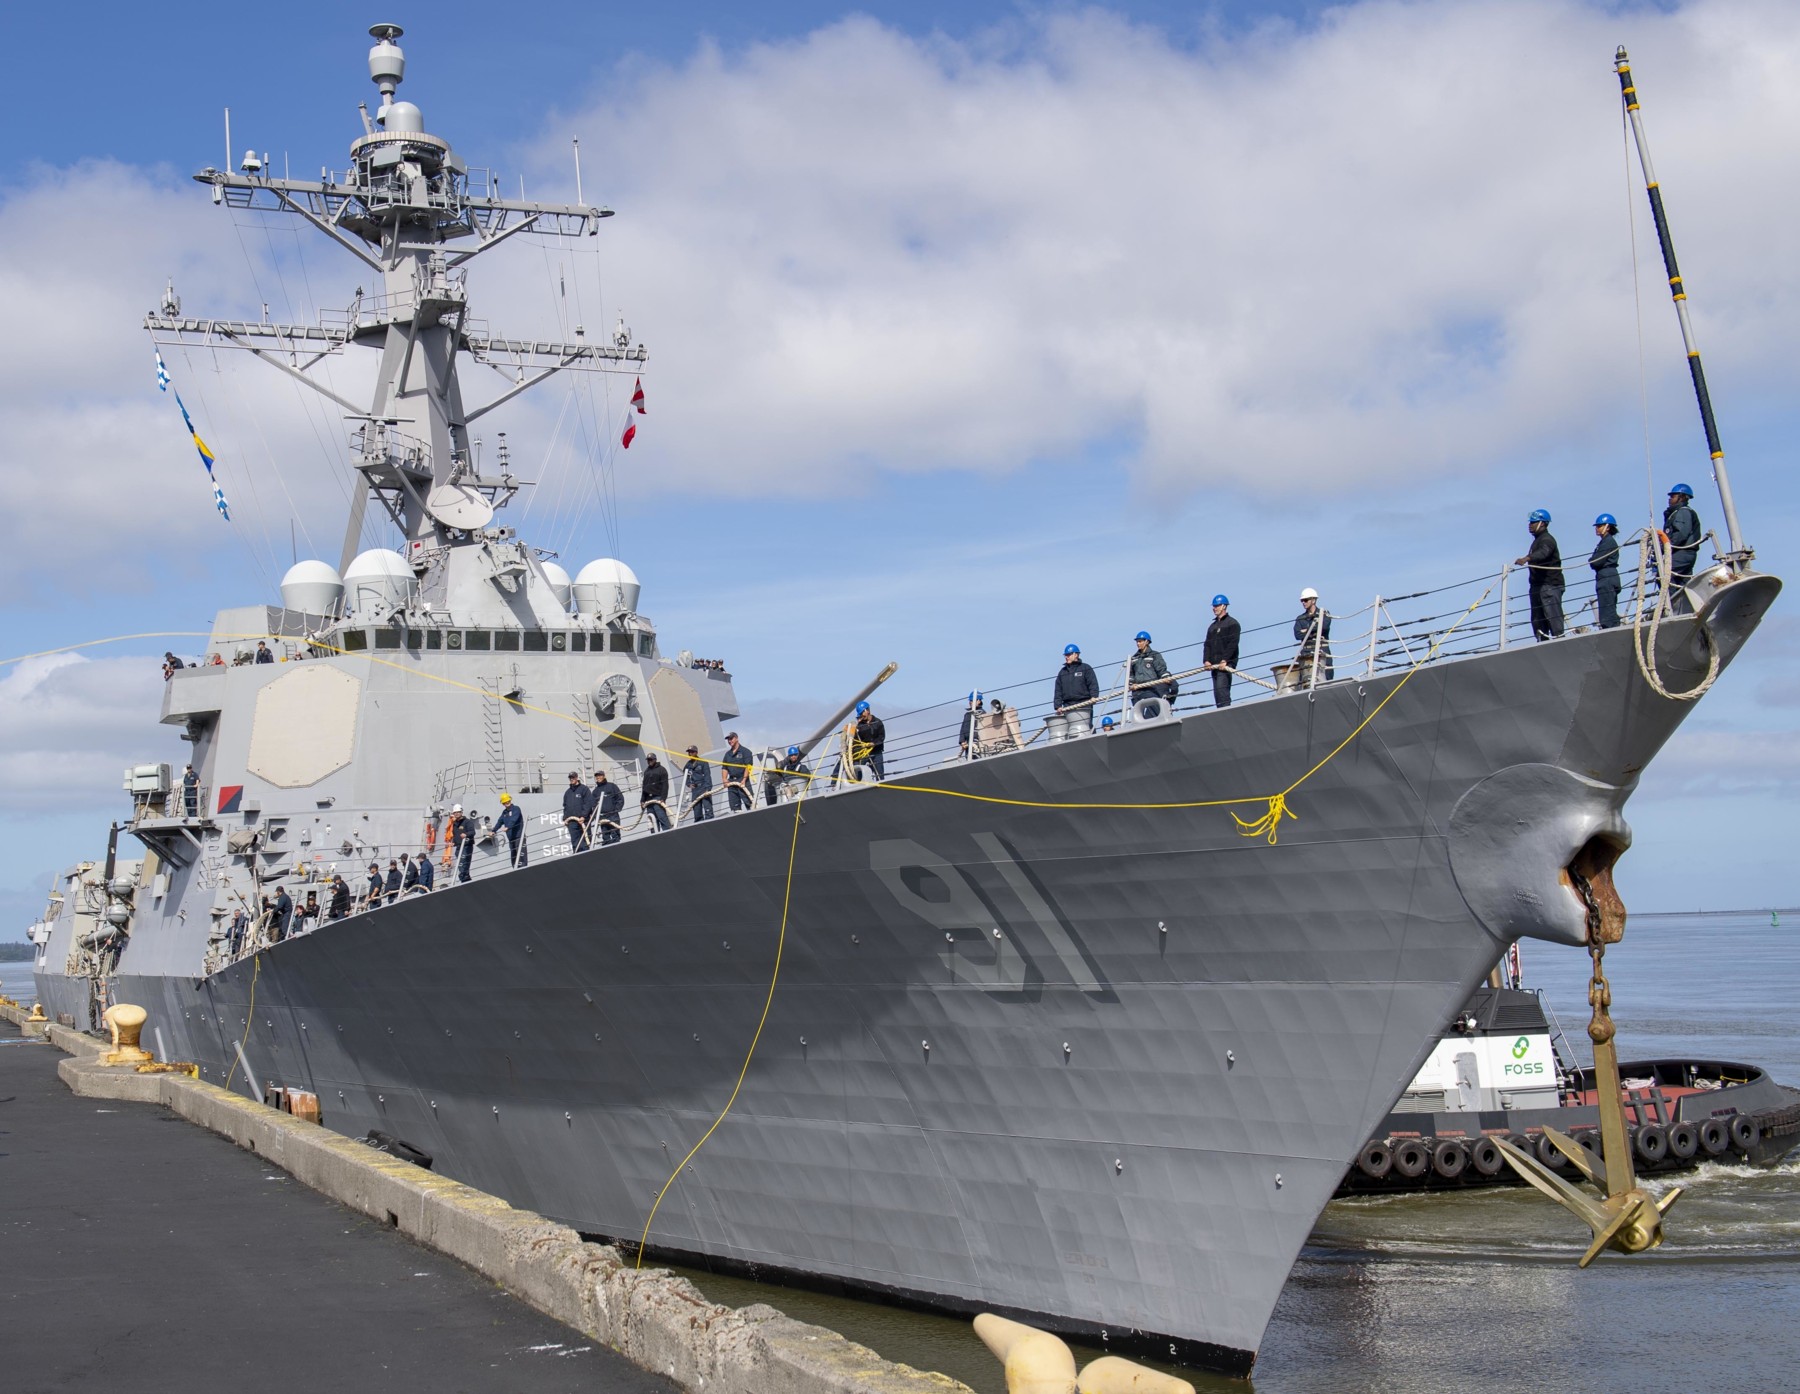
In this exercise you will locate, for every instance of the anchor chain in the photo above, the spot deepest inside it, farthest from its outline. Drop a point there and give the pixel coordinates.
(1600, 1024)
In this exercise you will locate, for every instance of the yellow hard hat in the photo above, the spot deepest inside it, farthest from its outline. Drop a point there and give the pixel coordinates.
(506, 798)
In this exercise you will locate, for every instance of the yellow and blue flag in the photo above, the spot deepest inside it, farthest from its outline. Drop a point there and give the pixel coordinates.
(207, 458)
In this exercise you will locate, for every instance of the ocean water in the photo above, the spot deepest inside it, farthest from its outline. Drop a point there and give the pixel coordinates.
(1421, 1294)
(15, 981)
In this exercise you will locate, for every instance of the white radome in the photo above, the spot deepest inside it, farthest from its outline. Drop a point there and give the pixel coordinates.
(606, 587)
(560, 585)
(378, 577)
(312, 587)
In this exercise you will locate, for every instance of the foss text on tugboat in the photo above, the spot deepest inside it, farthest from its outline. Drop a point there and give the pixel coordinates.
(1504, 1070)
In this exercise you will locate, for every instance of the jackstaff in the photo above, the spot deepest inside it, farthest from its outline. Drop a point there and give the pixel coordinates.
(1679, 292)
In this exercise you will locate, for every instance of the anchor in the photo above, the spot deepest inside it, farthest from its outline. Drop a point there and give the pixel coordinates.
(1623, 1215)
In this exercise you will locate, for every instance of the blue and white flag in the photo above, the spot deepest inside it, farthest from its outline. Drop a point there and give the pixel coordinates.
(207, 458)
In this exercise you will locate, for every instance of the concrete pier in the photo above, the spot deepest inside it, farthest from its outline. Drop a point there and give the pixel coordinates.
(156, 1255)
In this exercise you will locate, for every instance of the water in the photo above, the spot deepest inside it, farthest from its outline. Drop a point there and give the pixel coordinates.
(15, 982)
(1419, 1294)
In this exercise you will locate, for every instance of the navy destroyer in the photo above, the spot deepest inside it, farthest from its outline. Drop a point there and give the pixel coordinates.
(1082, 1027)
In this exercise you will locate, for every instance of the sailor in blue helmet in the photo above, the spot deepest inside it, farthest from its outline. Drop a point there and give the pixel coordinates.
(1605, 562)
(1149, 673)
(1682, 527)
(791, 770)
(971, 722)
(1220, 653)
(1546, 578)
(1076, 689)
(870, 744)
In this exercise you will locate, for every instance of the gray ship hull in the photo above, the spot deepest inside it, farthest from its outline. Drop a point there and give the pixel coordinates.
(1100, 1066)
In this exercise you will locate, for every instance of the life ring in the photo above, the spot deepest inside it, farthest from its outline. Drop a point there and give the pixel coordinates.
(1486, 1157)
(1448, 1159)
(1411, 1158)
(1684, 1141)
(1650, 1143)
(1376, 1159)
(1715, 1137)
(1549, 1155)
(1744, 1132)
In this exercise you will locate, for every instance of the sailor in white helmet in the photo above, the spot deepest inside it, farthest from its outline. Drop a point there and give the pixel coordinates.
(1312, 631)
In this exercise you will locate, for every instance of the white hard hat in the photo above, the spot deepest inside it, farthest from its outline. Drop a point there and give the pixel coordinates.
(456, 808)
(1309, 594)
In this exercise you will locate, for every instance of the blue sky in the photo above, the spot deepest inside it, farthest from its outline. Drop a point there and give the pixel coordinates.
(973, 330)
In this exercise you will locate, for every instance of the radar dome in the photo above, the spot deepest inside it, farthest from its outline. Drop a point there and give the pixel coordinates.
(559, 583)
(312, 587)
(378, 580)
(606, 587)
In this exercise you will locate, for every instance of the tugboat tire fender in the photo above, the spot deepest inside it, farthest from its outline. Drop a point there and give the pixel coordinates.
(1744, 1132)
(1549, 1156)
(1411, 1159)
(1485, 1156)
(1590, 1139)
(1449, 1160)
(1651, 1143)
(1684, 1141)
(1376, 1159)
(1715, 1137)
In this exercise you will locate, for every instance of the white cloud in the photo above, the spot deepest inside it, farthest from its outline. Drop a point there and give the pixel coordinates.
(68, 727)
(1386, 246)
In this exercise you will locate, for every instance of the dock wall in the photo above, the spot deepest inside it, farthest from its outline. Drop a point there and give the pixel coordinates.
(653, 1318)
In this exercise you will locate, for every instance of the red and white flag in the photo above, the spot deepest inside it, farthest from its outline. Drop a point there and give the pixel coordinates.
(637, 396)
(630, 433)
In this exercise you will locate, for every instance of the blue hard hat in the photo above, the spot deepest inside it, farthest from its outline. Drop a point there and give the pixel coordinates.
(1607, 520)
(1687, 489)
(974, 696)
(793, 750)
(1071, 648)
(1105, 722)
(1539, 515)
(1144, 634)
(861, 707)
(1221, 600)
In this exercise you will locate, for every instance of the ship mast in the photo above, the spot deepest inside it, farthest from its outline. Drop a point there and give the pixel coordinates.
(400, 208)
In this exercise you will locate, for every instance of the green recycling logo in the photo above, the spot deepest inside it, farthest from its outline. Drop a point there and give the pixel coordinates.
(1520, 1047)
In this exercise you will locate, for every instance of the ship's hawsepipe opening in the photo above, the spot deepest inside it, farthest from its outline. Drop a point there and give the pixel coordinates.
(1589, 877)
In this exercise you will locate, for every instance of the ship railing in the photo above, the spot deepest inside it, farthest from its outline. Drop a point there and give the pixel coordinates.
(175, 804)
(471, 779)
(1388, 635)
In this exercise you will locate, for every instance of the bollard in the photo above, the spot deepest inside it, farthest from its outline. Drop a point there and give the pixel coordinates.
(127, 1023)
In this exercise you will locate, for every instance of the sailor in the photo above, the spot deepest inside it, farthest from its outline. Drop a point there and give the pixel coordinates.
(1149, 674)
(609, 809)
(1106, 725)
(372, 889)
(970, 734)
(1000, 729)
(234, 942)
(1682, 527)
(735, 768)
(394, 881)
(340, 898)
(1220, 652)
(422, 864)
(696, 776)
(262, 652)
(463, 840)
(170, 663)
(1076, 686)
(1312, 631)
(1546, 578)
(282, 915)
(653, 793)
(870, 744)
(190, 792)
(511, 822)
(309, 914)
(1605, 562)
(791, 772)
(577, 807)
(409, 873)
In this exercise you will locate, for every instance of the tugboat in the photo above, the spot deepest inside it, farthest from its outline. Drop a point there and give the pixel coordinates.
(1503, 1069)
